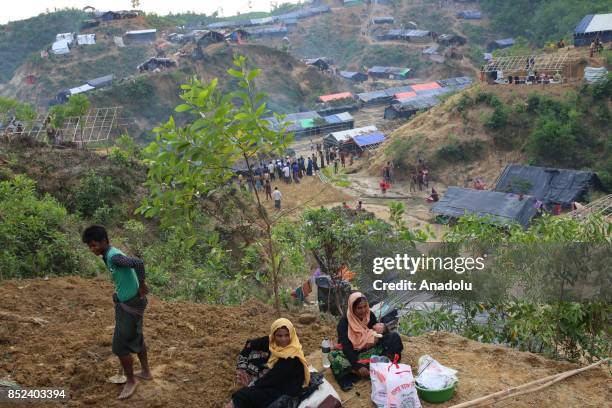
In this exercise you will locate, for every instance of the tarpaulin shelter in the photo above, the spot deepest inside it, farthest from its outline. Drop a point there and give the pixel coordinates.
(426, 86)
(101, 81)
(369, 141)
(204, 39)
(354, 76)
(60, 47)
(336, 97)
(389, 72)
(311, 123)
(593, 26)
(405, 95)
(374, 97)
(549, 185)
(155, 62)
(322, 63)
(499, 208)
(267, 31)
(383, 20)
(69, 37)
(405, 108)
(80, 89)
(141, 36)
(470, 14)
(498, 44)
(86, 39)
(336, 139)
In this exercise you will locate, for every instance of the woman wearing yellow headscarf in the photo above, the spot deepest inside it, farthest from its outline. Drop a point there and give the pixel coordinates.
(285, 371)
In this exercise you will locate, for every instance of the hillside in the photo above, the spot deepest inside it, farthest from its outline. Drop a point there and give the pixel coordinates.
(193, 348)
(477, 132)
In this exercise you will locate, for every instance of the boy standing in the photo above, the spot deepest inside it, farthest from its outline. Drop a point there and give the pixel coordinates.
(277, 198)
(130, 302)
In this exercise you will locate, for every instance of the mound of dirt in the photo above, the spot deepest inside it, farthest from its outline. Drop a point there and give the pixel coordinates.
(486, 368)
(193, 347)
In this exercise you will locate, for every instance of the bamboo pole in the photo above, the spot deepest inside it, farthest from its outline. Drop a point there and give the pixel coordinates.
(527, 388)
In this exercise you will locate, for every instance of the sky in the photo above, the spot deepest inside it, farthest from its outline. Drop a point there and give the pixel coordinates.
(23, 9)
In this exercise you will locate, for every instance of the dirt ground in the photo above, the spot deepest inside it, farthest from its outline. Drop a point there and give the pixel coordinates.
(193, 348)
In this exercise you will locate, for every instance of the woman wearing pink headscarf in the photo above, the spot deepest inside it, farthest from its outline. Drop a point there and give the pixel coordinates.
(361, 337)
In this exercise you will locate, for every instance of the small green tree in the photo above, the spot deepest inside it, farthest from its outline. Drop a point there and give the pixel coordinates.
(190, 163)
(76, 107)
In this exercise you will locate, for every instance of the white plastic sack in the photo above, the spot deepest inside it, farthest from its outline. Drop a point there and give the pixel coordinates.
(392, 384)
(378, 377)
(433, 375)
(401, 390)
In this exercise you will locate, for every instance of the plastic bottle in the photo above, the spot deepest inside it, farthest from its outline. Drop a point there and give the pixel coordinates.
(325, 349)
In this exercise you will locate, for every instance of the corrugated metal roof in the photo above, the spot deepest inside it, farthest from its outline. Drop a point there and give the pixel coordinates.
(600, 22)
(370, 96)
(500, 208)
(345, 116)
(336, 96)
(416, 103)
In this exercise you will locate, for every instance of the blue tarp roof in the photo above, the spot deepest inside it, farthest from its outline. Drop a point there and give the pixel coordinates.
(502, 208)
(548, 185)
(583, 24)
(369, 139)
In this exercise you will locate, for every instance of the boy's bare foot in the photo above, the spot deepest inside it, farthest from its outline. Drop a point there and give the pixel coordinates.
(128, 390)
(145, 375)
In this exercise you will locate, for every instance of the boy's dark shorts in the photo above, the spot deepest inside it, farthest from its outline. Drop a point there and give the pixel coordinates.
(128, 337)
(277, 203)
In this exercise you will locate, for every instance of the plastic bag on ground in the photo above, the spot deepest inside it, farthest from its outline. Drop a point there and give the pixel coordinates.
(433, 375)
(378, 376)
(401, 390)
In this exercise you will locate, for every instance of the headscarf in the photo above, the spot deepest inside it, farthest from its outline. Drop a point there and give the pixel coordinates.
(358, 332)
(293, 349)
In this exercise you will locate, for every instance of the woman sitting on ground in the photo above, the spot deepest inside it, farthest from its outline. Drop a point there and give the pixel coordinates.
(361, 337)
(270, 368)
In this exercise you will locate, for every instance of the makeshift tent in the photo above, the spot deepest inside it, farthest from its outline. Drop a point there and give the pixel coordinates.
(383, 20)
(593, 26)
(389, 72)
(406, 108)
(118, 42)
(322, 63)
(86, 39)
(267, 31)
(340, 118)
(354, 76)
(456, 83)
(431, 50)
(311, 123)
(204, 39)
(451, 39)
(65, 37)
(405, 95)
(595, 75)
(499, 208)
(60, 47)
(498, 44)
(338, 138)
(369, 141)
(154, 63)
(141, 36)
(470, 14)
(374, 97)
(80, 89)
(336, 97)
(101, 81)
(549, 185)
(263, 21)
(109, 16)
(426, 86)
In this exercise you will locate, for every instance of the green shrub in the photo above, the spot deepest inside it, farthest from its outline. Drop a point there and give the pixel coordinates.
(95, 192)
(461, 151)
(32, 235)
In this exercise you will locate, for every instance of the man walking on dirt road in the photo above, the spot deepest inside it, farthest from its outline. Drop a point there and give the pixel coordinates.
(130, 302)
